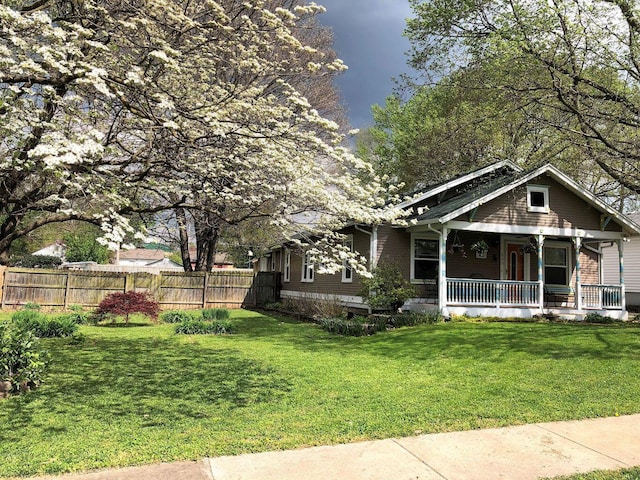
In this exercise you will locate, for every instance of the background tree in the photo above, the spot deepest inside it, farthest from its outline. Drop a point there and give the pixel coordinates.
(455, 126)
(569, 65)
(83, 246)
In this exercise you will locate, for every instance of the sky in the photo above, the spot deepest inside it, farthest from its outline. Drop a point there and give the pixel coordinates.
(368, 38)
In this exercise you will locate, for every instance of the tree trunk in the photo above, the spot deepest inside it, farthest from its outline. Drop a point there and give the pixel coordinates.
(181, 217)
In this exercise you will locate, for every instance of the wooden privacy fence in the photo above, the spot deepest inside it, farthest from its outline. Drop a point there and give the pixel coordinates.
(225, 288)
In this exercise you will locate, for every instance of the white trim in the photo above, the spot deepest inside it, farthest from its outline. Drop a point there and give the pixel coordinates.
(435, 260)
(345, 267)
(544, 190)
(568, 247)
(286, 274)
(308, 273)
(530, 230)
(374, 247)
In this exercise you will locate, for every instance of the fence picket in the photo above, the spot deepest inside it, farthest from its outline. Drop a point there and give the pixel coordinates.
(230, 288)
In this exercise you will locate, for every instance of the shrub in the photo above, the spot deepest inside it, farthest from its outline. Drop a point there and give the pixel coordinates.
(272, 306)
(35, 261)
(410, 319)
(215, 313)
(387, 289)
(223, 326)
(175, 316)
(354, 327)
(597, 318)
(195, 327)
(80, 318)
(27, 318)
(22, 360)
(60, 326)
(42, 326)
(31, 306)
(126, 303)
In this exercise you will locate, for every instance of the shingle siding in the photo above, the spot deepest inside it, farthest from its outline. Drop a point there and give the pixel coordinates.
(566, 209)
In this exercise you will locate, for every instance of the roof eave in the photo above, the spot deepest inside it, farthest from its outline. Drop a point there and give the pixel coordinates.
(458, 181)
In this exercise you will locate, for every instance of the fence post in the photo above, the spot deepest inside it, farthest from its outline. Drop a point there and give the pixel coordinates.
(129, 282)
(3, 270)
(66, 289)
(205, 289)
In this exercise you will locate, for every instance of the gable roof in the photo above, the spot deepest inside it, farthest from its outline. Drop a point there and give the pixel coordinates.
(494, 187)
(495, 169)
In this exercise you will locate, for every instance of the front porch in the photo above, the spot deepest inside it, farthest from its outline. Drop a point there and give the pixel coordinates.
(519, 272)
(511, 298)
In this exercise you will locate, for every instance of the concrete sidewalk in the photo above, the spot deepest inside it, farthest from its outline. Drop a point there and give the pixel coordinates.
(523, 452)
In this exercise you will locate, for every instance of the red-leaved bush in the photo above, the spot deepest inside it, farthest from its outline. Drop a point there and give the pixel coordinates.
(125, 303)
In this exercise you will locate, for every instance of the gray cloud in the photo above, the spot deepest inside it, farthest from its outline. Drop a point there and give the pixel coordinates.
(368, 38)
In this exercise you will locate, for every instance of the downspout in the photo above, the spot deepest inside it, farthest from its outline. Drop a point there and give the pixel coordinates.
(373, 247)
(623, 301)
(442, 270)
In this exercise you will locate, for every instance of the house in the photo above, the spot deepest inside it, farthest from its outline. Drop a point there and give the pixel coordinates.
(145, 258)
(611, 267)
(139, 257)
(220, 259)
(56, 249)
(537, 237)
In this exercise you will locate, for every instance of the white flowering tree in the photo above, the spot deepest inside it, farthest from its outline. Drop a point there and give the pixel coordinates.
(114, 108)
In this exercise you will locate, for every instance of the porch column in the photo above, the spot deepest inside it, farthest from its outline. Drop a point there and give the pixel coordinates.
(540, 272)
(442, 272)
(577, 243)
(623, 300)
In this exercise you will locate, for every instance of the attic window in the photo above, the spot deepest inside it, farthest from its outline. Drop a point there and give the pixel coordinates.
(537, 198)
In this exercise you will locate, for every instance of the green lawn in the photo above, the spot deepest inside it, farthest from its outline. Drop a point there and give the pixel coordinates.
(142, 394)
(624, 474)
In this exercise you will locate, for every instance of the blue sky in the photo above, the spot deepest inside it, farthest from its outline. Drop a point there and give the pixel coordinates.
(368, 38)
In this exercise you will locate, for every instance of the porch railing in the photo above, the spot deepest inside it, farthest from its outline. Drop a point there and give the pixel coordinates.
(506, 293)
(602, 296)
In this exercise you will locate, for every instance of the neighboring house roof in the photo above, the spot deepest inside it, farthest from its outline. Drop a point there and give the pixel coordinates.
(165, 262)
(493, 187)
(220, 258)
(141, 254)
(56, 249)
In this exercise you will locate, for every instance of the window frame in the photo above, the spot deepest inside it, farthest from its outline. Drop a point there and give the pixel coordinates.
(568, 263)
(544, 189)
(347, 270)
(287, 266)
(435, 259)
(308, 274)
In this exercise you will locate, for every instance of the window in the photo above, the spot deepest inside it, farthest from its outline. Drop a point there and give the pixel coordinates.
(273, 262)
(307, 268)
(556, 265)
(424, 259)
(347, 270)
(287, 265)
(537, 198)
